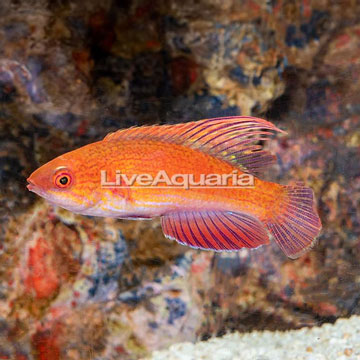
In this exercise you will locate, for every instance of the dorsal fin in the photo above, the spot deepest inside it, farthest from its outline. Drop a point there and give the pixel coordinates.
(233, 139)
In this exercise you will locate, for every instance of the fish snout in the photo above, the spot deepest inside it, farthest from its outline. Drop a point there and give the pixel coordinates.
(31, 186)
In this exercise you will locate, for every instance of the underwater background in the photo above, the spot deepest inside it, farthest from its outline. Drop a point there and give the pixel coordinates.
(76, 287)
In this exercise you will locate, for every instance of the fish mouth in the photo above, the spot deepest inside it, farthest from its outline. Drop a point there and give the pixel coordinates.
(31, 186)
(34, 188)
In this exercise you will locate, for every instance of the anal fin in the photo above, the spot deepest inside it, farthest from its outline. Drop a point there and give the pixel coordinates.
(214, 229)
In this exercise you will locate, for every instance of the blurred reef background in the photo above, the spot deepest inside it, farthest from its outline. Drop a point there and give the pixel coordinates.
(74, 287)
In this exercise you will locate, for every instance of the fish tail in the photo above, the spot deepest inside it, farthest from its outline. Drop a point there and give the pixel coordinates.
(297, 224)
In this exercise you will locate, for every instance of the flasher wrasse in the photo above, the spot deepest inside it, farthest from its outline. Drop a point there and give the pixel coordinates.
(211, 217)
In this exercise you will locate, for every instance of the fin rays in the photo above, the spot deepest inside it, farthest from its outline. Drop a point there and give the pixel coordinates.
(233, 139)
(295, 229)
(214, 230)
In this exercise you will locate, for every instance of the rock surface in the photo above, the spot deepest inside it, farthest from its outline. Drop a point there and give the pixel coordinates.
(74, 287)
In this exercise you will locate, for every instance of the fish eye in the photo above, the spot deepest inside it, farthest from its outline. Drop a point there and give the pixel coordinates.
(62, 178)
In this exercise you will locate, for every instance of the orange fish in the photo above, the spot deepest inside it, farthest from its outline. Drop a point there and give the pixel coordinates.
(199, 177)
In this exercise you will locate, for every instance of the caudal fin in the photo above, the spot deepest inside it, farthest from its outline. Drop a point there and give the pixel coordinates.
(297, 225)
